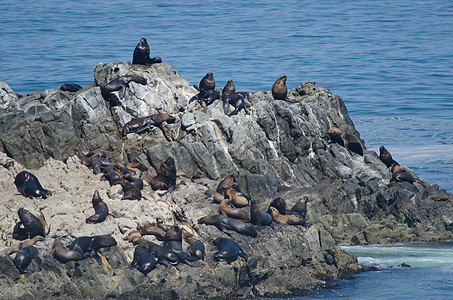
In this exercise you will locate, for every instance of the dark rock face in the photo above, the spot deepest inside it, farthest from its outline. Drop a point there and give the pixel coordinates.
(273, 148)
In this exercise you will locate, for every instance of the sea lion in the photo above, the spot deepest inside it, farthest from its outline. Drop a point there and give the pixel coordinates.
(28, 185)
(120, 84)
(158, 230)
(229, 250)
(28, 227)
(207, 90)
(163, 254)
(237, 200)
(143, 260)
(286, 219)
(139, 125)
(400, 174)
(280, 204)
(217, 197)
(101, 210)
(257, 217)
(226, 184)
(229, 96)
(222, 223)
(166, 176)
(64, 255)
(300, 207)
(89, 245)
(70, 87)
(23, 259)
(226, 210)
(176, 248)
(386, 157)
(279, 89)
(130, 191)
(112, 175)
(135, 180)
(141, 54)
(196, 247)
(347, 140)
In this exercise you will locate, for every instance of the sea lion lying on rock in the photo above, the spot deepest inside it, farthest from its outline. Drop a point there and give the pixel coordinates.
(28, 185)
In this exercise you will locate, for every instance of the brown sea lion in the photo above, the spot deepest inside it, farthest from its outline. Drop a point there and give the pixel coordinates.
(222, 223)
(141, 54)
(279, 89)
(166, 176)
(257, 217)
(64, 255)
(386, 157)
(280, 204)
(347, 140)
(85, 160)
(101, 210)
(89, 245)
(229, 250)
(28, 227)
(16, 247)
(226, 184)
(237, 200)
(138, 125)
(226, 210)
(120, 84)
(70, 87)
(28, 185)
(286, 219)
(158, 230)
(217, 197)
(400, 174)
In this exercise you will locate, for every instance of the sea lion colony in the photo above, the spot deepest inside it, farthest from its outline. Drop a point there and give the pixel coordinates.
(232, 215)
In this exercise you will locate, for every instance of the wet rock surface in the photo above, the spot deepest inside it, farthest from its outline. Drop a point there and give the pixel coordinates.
(273, 148)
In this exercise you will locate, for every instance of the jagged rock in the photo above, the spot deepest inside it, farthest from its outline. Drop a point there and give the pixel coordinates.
(273, 148)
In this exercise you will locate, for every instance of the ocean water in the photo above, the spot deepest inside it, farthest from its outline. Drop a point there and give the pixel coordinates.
(390, 61)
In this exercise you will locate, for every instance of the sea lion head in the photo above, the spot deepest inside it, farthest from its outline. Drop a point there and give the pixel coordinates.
(229, 87)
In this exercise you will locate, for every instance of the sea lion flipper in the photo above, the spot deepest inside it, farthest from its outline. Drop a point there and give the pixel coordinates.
(122, 91)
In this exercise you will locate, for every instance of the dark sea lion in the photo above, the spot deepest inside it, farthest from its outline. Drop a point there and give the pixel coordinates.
(226, 184)
(166, 176)
(286, 219)
(226, 210)
(130, 191)
(196, 247)
(101, 210)
(176, 248)
(300, 207)
(229, 96)
(70, 87)
(141, 54)
(347, 140)
(237, 200)
(89, 245)
(400, 174)
(222, 223)
(257, 217)
(112, 176)
(64, 255)
(279, 89)
(120, 84)
(84, 159)
(207, 83)
(143, 260)
(207, 90)
(386, 157)
(23, 259)
(229, 250)
(134, 179)
(28, 185)
(28, 227)
(163, 254)
(280, 204)
(138, 125)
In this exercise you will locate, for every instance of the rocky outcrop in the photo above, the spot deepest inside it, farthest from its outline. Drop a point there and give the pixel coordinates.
(273, 148)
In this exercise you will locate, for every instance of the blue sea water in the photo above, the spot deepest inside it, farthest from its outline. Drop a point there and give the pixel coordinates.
(390, 61)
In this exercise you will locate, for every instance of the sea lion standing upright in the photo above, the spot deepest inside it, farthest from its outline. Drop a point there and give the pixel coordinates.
(141, 54)
(386, 157)
(101, 210)
(120, 84)
(229, 96)
(28, 185)
(23, 259)
(32, 226)
(257, 217)
(279, 89)
(166, 176)
(207, 90)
